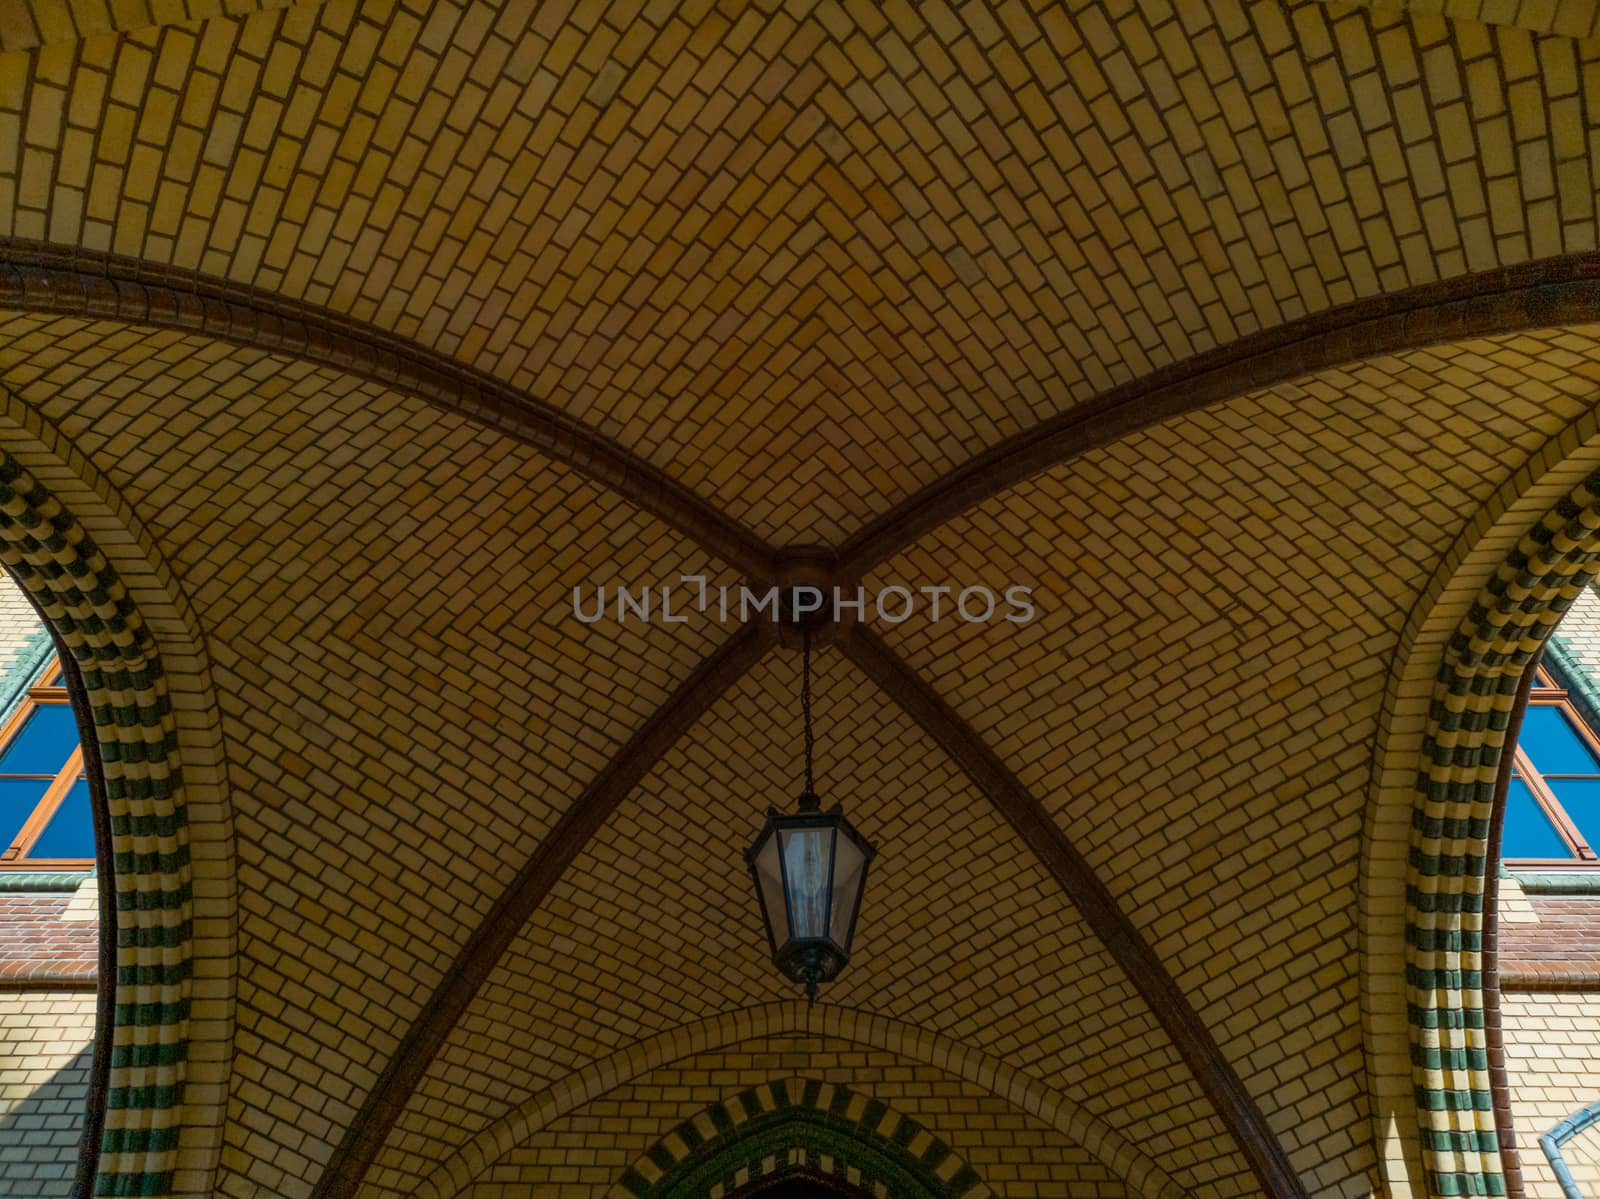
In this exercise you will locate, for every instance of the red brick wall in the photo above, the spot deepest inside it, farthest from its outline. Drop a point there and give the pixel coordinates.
(1562, 949)
(37, 944)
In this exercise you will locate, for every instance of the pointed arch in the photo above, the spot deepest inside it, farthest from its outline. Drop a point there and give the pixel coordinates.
(99, 583)
(800, 1126)
(1452, 691)
(1142, 1175)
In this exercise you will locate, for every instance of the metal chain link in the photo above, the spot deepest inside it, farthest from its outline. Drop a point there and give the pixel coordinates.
(805, 699)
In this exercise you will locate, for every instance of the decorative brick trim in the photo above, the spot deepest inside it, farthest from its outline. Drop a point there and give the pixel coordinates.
(1575, 883)
(1028, 1094)
(38, 277)
(106, 999)
(136, 561)
(369, 1129)
(1493, 1028)
(1479, 551)
(41, 880)
(1550, 976)
(795, 1125)
(86, 604)
(50, 978)
(1543, 294)
(1466, 735)
(21, 675)
(1167, 1002)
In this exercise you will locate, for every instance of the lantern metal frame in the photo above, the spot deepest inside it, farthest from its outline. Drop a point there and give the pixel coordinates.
(810, 960)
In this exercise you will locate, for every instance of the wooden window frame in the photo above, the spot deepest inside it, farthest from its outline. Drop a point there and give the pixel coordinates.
(15, 856)
(1546, 694)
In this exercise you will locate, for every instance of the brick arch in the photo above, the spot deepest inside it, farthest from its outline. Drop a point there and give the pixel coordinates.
(1451, 695)
(97, 581)
(1552, 292)
(1036, 1098)
(795, 1125)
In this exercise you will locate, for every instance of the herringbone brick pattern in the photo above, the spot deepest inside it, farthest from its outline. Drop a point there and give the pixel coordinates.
(931, 945)
(1202, 724)
(805, 259)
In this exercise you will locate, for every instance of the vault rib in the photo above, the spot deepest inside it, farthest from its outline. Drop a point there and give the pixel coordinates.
(384, 1102)
(1553, 292)
(36, 277)
(39, 277)
(1041, 834)
(1543, 294)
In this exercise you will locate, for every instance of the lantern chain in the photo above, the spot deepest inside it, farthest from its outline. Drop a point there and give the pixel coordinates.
(805, 701)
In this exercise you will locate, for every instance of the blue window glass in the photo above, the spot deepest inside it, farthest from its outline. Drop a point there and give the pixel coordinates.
(1552, 744)
(32, 764)
(1581, 799)
(1528, 831)
(42, 746)
(18, 798)
(70, 833)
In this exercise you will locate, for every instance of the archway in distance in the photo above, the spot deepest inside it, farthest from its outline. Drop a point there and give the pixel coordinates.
(798, 1137)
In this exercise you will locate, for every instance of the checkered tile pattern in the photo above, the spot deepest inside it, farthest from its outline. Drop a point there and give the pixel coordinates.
(1466, 737)
(52, 555)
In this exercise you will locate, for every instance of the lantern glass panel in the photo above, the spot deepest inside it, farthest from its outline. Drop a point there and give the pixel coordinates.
(770, 875)
(806, 859)
(848, 862)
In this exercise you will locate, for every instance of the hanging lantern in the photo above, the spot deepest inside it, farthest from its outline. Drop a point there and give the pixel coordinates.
(810, 868)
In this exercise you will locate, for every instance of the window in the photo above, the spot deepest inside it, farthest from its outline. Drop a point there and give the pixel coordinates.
(1553, 802)
(45, 818)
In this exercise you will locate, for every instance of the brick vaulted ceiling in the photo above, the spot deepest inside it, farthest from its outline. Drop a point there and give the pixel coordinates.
(393, 322)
